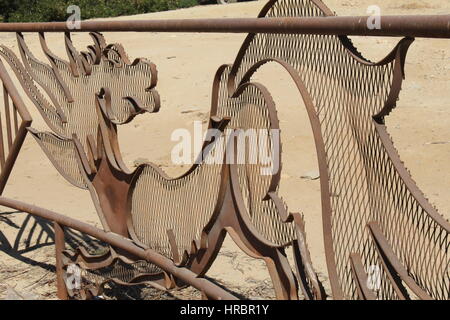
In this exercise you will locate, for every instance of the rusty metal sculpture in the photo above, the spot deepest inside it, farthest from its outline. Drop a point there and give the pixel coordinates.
(186, 218)
(70, 88)
(364, 184)
(372, 211)
(71, 85)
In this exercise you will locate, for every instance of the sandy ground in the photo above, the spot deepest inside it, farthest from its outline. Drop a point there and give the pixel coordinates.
(186, 65)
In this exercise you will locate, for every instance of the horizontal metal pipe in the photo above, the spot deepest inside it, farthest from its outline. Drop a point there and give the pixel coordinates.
(210, 289)
(428, 26)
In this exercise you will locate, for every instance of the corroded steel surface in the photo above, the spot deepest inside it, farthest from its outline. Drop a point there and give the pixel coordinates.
(373, 213)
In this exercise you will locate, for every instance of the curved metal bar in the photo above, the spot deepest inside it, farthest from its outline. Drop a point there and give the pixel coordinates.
(53, 59)
(393, 265)
(311, 286)
(57, 164)
(360, 278)
(406, 176)
(73, 55)
(27, 59)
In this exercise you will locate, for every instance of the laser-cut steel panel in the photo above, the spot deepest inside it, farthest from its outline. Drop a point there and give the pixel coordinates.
(373, 213)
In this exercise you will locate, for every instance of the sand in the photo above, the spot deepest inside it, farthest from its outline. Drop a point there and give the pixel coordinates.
(186, 65)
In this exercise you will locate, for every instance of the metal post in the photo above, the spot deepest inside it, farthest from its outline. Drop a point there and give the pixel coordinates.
(59, 248)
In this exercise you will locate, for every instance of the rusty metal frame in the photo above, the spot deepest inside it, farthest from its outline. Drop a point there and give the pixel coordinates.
(389, 192)
(17, 120)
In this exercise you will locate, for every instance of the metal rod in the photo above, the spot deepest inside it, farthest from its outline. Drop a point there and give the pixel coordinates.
(429, 26)
(212, 291)
(13, 153)
(360, 277)
(14, 94)
(7, 117)
(2, 147)
(61, 288)
(16, 120)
